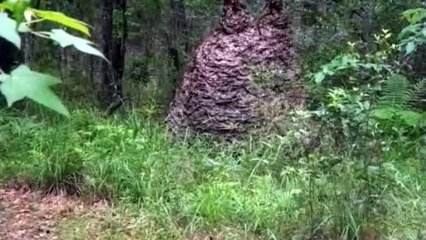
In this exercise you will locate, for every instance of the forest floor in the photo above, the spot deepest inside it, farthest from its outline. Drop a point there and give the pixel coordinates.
(31, 215)
(26, 214)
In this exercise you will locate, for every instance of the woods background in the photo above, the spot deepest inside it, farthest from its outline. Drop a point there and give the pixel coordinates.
(160, 35)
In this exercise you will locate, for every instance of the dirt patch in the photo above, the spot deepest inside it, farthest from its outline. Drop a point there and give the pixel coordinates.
(26, 214)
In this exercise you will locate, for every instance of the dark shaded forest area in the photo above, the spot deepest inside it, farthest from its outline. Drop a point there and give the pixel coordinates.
(233, 119)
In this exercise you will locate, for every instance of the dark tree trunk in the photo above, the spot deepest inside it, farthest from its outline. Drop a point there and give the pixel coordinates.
(118, 53)
(28, 40)
(178, 35)
(108, 83)
(113, 46)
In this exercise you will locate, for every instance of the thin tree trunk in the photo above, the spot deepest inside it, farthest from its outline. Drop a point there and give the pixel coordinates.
(107, 77)
(113, 46)
(178, 35)
(118, 53)
(27, 49)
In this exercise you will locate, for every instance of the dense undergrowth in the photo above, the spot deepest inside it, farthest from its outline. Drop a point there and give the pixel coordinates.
(273, 187)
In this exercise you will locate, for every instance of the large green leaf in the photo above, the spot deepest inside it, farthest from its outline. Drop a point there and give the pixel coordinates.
(22, 82)
(62, 19)
(8, 30)
(410, 47)
(414, 15)
(319, 77)
(65, 40)
(384, 113)
(412, 29)
(407, 116)
(16, 7)
(411, 118)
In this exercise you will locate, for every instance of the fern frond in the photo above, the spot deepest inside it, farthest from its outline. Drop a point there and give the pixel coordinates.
(394, 104)
(396, 92)
(419, 93)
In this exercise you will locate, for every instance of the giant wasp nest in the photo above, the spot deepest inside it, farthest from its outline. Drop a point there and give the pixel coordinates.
(240, 76)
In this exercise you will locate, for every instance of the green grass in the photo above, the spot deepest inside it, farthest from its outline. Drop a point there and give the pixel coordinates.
(263, 188)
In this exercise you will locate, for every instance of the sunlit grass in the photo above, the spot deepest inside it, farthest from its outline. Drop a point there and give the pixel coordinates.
(168, 189)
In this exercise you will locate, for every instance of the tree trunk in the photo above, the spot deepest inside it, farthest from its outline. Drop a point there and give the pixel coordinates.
(178, 35)
(108, 83)
(118, 53)
(113, 46)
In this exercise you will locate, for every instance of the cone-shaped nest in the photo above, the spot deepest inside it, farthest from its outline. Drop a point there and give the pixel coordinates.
(236, 72)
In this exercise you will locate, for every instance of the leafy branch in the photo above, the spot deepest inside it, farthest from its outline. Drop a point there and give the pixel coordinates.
(22, 82)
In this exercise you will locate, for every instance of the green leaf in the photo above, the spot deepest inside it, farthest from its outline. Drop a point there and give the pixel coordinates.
(410, 47)
(409, 30)
(408, 117)
(65, 40)
(411, 118)
(8, 30)
(18, 9)
(23, 82)
(414, 15)
(23, 27)
(319, 77)
(385, 113)
(3, 77)
(62, 19)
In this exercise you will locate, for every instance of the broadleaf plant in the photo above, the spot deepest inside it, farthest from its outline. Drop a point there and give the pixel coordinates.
(23, 82)
(65, 40)
(414, 34)
(61, 18)
(8, 30)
